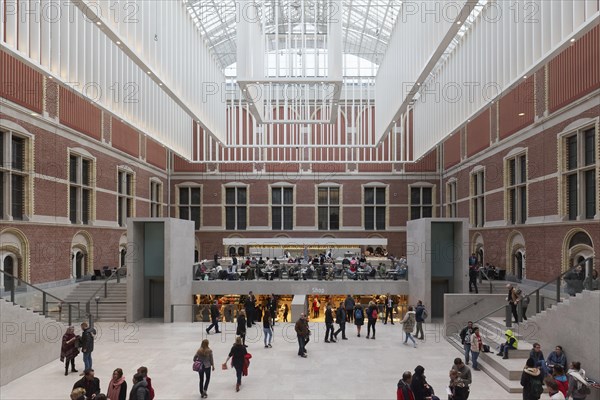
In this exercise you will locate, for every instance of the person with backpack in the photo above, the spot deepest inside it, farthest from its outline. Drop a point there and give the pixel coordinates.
(371, 318)
(420, 316)
(578, 386)
(359, 318)
(408, 325)
(204, 356)
(139, 391)
(531, 380)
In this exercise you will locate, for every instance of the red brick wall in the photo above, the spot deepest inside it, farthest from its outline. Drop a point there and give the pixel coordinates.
(519, 100)
(20, 83)
(156, 154)
(80, 114)
(478, 133)
(452, 150)
(125, 138)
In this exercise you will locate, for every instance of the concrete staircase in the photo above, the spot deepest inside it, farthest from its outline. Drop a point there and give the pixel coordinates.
(111, 308)
(507, 373)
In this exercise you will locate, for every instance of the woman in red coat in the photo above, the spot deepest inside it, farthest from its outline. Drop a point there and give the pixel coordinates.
(404, 392)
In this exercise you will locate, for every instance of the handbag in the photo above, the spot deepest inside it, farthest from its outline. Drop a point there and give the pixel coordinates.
(197, 366)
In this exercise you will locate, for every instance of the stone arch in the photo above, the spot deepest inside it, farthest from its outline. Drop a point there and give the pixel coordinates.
(14, 244)
(515, 254)
(82, 255)
(477, 247)
(577, 243)
(123, 249)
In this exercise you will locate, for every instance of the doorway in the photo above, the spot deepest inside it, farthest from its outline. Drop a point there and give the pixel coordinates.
(520, 265)
(156, 301)
(439, 287)
(9, 268)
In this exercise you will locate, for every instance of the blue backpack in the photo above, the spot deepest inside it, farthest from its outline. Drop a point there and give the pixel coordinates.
(358, 313)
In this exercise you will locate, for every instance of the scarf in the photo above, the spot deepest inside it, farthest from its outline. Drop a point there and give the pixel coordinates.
(114, 388)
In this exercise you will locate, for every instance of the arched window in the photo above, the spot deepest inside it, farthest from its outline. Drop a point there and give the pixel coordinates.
(241, 252)
(9, 267)
(369, 250)
(122, 256)
(231, 251)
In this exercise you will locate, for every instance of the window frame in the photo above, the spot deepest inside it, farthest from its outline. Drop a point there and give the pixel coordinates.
(375, 206)
(433, 205)
(328, 206)
(235, 205)
(477, 200)
(580, 171)
(79, 186)
(178, 204)
(283, 205)
(452, 198)
(123, 198)
(7, 172)
(517, 213)
(155, 198)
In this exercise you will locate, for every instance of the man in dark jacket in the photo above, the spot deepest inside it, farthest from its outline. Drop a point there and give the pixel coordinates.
(538, 357)
(420, 318)
(349, 304)
(465, 339)
(389, 309)
(302, 332)
(139, 391)
(329, 325)
(87, 344)
(340, 319)
(214, 317)
(90, 383)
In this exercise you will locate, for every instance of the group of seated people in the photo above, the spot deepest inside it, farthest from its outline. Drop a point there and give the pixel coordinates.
(321, 266)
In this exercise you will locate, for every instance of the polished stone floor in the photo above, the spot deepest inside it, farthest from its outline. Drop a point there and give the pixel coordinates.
(357, 368)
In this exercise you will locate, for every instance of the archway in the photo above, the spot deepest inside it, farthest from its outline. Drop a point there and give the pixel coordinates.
(81, 255)
(14, 254)
(577, 247)
(123, 250)
(515, 250)
(232, 251)
(477, 248)
(8, 265)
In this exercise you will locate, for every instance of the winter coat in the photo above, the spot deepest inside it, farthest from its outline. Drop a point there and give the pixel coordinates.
(117, 390)
(404, 392)
(139, 391)
(408, 322)
(68, 350)
(527, 377)
(476, 343)
(340, 316)
(328, 316)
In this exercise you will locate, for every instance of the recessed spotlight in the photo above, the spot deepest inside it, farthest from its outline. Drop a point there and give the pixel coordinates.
(33, 114)
(50, 77)
(458, 22)
(159, 84)
(98, 23)
(149, 72)
(118, 42)
(418, 84)
(573, 40)
(258, 83)
(521, 114)
(468, 120)
(525, 77)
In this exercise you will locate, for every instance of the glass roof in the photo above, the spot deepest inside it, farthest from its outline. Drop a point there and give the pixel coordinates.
(366, 26)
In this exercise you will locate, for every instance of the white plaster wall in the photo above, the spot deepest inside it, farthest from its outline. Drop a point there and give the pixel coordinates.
(135, 270)
(28, 341)
(179, 258)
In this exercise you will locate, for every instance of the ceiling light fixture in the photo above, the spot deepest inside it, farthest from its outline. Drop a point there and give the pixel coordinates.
(98, 23)
(118, 43)
(521, 114)
(573, 40)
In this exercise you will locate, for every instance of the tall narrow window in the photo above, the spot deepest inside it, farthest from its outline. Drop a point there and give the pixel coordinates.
(14, 176)
(80, 189)
(374, 208)
(579, 175)
(236, 207)
(451, 199)
(421, 202)
(516, 189)
(126, 197)
(155, 199)
(478, 199)
(329, 208)
(189, 204)
(282, 208)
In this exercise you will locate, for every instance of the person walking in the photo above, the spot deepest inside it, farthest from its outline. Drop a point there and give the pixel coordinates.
(69, 350)
(204, 356)
(139, 391)
(408, 325)
(329, 325)
(476, 347)
(473, 272)
(340, 319)
(465, 337)
(241, 327)
(87, 344)
(286, 310)
(237, 354)
(249, 305)
(531, 380)
(302, 332)
(359, 318)
(215, 314)
(371, 318)
(268, 331)
(349, 305)
(513, 300)
(389, 309)
(404, 392)
(420, 315)
(524, 301)
(117, 387)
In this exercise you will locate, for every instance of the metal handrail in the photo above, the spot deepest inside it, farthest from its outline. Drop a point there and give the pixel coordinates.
(557, 279)
(105, 286)
(45, 296)
(488, 279)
